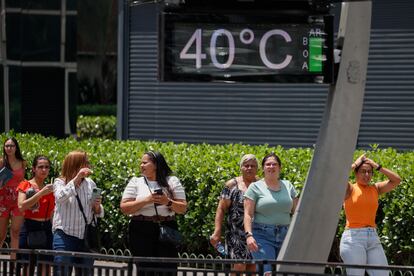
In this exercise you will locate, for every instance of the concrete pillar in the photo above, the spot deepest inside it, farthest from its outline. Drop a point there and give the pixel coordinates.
(315, 221)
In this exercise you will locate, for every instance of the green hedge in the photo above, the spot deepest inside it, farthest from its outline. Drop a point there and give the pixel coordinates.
(96, 126)
(204, 168)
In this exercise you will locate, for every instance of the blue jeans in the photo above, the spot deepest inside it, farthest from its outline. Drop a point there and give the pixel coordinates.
(269, 239)
(362, 246)
(64, 242)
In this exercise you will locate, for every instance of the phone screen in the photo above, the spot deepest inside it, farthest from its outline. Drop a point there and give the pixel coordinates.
(158, 191)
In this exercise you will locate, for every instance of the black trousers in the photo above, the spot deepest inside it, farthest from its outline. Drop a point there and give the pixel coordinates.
(143, 242)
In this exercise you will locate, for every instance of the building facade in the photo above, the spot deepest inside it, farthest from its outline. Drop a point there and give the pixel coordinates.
(271, 113)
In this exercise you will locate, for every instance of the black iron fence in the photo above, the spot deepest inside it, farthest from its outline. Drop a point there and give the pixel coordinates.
(40, 262)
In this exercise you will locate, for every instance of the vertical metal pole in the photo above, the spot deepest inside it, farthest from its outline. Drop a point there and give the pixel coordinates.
(314, 223)
(3, 56)
(122, 76)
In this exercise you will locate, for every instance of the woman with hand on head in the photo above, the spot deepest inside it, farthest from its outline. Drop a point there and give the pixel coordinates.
(231, 201)
(155, 189)
(268, 206)
(13, 160)
(37, 202)
(360, 243)
(72, 189)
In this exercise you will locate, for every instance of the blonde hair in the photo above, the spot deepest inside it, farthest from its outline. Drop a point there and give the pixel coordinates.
(247, 157)
(74, 161)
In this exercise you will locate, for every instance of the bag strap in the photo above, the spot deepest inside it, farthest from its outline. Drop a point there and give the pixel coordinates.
(155, 206)
(83, 213)
(47, 209)
(81, 208)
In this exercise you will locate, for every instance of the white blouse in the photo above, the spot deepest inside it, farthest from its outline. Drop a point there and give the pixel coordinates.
(138, 189)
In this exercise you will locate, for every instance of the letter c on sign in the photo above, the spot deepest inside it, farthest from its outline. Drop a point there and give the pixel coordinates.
(263, 43)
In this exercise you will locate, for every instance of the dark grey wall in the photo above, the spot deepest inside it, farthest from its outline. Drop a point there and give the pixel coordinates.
(288, 115)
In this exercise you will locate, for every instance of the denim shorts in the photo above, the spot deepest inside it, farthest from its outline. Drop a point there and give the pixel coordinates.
(269, 239)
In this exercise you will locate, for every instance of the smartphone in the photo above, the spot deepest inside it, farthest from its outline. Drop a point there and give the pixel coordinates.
(158, 191)
(96, 193)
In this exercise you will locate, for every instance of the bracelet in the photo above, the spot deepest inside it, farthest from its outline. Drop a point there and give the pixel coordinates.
(169, 203)
(378, 168)
(249, 234)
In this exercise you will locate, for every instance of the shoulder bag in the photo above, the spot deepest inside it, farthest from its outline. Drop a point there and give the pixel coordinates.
(92, 237)
(167, 234)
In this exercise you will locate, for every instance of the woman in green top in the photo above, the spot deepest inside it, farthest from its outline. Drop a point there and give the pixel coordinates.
(270, 202)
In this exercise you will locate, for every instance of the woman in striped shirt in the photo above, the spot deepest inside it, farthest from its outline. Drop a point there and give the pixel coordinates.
(68, 222)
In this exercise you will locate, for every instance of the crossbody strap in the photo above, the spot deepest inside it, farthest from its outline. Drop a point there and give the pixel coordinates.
(81, 208)
(83, 213)
(155, 206)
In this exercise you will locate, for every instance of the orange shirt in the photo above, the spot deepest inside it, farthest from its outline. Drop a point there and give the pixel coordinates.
(361, 206)
(46, 203)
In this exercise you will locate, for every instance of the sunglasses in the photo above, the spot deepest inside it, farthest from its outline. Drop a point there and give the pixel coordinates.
(9, 146)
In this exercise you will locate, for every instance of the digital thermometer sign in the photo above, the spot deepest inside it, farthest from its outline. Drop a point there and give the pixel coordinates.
(246, 48)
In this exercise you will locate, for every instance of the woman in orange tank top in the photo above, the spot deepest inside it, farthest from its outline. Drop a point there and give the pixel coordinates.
(360, 243)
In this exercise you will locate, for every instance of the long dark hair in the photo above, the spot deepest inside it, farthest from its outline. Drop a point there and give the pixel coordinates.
(17, 153)
(162, 170)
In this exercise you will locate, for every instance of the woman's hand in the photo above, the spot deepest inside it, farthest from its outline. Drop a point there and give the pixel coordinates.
(214, 239)
(83, 172)
(358, 161)
(373, 164)
(47, 189)
(161, 199)
(96, 205)
(252, 244)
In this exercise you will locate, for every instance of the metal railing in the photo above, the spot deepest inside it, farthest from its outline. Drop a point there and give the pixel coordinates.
(40, 262)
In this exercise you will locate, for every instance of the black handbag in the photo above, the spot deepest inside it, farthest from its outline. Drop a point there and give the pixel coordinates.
(170, 235)
(92, 237)
(167, 233)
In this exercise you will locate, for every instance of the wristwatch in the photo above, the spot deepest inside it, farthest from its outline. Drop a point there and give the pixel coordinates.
(169, 203)
(249, 234)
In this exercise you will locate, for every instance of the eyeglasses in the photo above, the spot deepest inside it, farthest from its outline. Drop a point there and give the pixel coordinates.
(9, 146)
(43, 167)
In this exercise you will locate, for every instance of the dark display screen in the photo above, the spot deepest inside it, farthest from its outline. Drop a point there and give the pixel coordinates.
(246, 48)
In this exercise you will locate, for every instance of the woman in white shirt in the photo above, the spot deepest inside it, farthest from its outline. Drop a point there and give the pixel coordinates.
(68, 221)
(155, 189)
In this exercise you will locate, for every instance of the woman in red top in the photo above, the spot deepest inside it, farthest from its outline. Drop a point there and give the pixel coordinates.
(37, 202)
(13, 160)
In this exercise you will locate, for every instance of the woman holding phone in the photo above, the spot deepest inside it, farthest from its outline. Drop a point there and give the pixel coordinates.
(37, 202)
(72, 189)
(155, 189)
